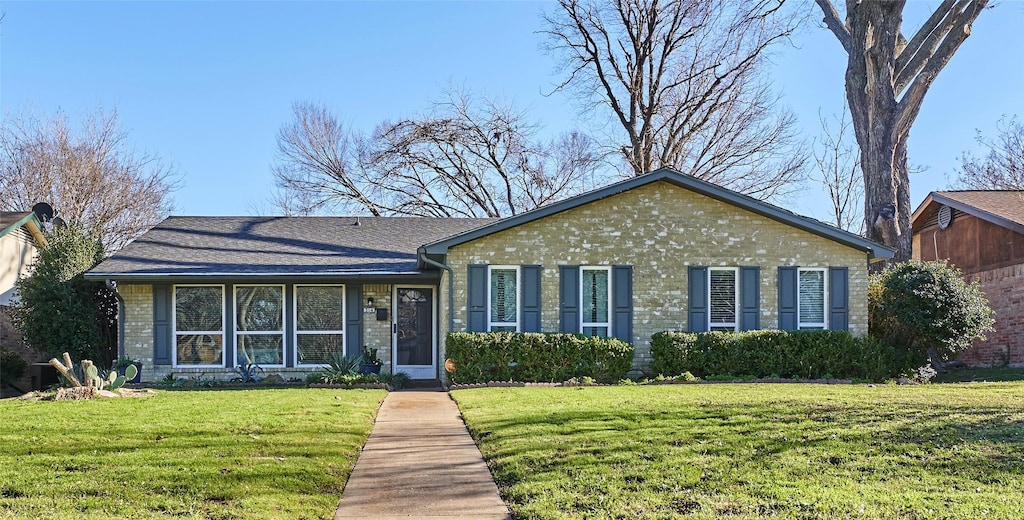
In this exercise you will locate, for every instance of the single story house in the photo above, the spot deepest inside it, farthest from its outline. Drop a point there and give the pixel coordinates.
(662, 251)
(21, 237)
(982, 233)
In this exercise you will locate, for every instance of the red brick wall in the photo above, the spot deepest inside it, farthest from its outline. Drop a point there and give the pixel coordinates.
(1004, 288)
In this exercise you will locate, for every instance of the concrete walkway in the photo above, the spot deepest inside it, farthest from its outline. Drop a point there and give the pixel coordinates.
(420, 462)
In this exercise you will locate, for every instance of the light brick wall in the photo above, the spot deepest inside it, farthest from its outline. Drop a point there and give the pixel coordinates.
(659, 229)
(138, 326)
(377, 334)
(1004, 288)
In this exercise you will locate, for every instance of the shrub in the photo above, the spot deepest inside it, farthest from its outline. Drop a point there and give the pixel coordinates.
(536, 357)
(927, 307)
(12, 366)
(807, 354)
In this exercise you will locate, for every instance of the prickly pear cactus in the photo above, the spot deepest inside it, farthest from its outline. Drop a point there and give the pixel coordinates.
(130, 372)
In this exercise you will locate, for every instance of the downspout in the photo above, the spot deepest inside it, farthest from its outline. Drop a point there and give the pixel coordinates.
(451, 286)
(120, 318)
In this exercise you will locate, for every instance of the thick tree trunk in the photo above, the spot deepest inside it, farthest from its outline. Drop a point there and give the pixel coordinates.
(870, 91)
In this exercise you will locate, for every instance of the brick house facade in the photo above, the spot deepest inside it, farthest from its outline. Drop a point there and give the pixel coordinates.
(664, 251)
(982, 233)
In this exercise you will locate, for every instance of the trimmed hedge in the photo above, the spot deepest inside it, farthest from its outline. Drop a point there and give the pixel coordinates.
(532, 357)
(805, 354)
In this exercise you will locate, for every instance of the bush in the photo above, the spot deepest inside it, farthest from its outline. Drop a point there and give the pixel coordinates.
(12, 367)
(806, 354)
(534, 357)
(927, 307)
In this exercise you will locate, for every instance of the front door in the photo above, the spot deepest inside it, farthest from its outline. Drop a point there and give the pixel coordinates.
(415, 333)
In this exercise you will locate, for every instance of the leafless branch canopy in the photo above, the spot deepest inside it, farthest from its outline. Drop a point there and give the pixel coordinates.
(838, 170)
(91, 176)
(465, 158)
(683, 79)
(1002, 168)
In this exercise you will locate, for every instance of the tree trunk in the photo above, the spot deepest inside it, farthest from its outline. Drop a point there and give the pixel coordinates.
(870, 92)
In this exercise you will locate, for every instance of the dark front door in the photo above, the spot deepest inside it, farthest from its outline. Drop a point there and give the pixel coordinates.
(415, 332)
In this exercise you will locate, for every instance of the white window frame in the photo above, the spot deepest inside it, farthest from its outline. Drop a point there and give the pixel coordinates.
(736, 299)
(174, 326)
(284, 324)
(606, 324)
(824, 299)
(519, 298)
(295, 322)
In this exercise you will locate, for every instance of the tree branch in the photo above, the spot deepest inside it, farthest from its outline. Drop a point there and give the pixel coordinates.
(834, 23)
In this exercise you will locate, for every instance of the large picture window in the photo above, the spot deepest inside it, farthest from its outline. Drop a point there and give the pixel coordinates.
(259, 324)
(722, 291)
(319, 323)
(503, 289)
(811, 298)
(595, 300)
(199, 325)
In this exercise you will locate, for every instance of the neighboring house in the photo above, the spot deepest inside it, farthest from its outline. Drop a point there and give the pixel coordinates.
(20, 237)
(664, 251)
(982, 233)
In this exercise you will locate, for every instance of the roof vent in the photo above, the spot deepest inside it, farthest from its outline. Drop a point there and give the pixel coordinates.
(945, 217)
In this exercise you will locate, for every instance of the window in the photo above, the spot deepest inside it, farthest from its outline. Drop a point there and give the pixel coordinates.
(722, 290)
(319, 323)
(811, 298)
(503, 295)
(595, 300)
(199, 325)
(259, 324)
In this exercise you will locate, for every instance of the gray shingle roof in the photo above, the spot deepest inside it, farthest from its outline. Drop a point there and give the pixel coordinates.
(203, 246)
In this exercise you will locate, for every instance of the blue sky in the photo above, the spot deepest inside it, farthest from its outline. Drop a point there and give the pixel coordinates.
(206, 85)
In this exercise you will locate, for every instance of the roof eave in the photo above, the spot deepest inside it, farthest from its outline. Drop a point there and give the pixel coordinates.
(966, 208)
(34, 226)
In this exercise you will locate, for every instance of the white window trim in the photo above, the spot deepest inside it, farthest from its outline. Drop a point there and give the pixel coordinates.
(606, 324)
(174, 327)
(519, 298)
(736, 298)
(284, 325)
(295, 322)
(824, 299)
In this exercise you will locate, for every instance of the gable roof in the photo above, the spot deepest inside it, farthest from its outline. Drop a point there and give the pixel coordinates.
(11, 221)
(285, 246)
(1001, 207)
(676, 178)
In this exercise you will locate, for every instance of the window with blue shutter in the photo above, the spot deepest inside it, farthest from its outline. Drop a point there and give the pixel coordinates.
(839, 298)
(476, 305)
(787, 298)
(622, 302)
(750, 298)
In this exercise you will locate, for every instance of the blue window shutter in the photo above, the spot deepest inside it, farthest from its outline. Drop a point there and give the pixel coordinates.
(750, 298)
(476, 307)
(569, 298)
(787, 298)
(163, 336)
(531, 298)
(839, 298)
(353, 320)
(697, 301)
(622, 302)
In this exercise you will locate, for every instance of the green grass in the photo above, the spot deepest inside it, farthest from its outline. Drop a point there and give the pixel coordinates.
(753, 451)
(205, 454)
(971, 375)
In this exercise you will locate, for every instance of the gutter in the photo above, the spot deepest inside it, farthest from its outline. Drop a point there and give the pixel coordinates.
(451, 285)
(120, 317)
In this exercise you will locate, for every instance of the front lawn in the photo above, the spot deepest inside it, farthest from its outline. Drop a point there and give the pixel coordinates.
(752, 451)
(206, 454)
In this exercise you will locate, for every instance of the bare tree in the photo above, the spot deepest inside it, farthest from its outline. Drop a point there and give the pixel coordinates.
(887, 77)
(838, 170)
(684, 80)
(455, 161)
(91, 175)
(1002, 168)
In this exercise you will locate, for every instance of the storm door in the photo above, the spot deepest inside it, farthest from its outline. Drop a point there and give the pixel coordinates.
(415, 332)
